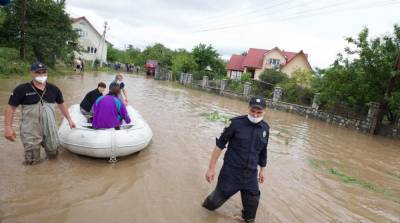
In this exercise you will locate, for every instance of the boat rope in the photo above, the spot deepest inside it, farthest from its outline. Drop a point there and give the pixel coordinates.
(113, 155)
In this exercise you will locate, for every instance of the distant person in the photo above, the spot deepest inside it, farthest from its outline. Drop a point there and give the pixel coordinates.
(109, 111)
(90, 98)
(96, 64)
(38, 124)
(77, 64)
(137, 69)
(124, 94)
(82, 65)
(247, 139)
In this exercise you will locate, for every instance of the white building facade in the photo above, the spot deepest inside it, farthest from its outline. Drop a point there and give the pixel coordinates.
(92, 44)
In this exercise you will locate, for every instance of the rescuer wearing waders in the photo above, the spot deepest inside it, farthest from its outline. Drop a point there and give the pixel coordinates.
(38, 122)
(247, 138)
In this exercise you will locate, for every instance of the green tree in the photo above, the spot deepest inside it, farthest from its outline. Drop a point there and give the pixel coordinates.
(273, 76)
(46, 31)
(302, 78)
(245, 77)
(371, 76)
(183, 62)
(113, 54)
(208, 56)
(159, 52)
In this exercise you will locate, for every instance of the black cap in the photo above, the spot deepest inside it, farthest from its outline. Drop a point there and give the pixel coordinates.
(38, 66)
(257, 102)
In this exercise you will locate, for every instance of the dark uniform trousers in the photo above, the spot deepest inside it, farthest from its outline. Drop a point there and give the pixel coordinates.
(232, 180)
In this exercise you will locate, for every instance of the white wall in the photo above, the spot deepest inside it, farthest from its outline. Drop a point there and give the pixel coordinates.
(90, 39)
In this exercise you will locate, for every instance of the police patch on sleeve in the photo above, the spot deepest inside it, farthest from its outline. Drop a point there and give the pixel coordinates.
(264, 134)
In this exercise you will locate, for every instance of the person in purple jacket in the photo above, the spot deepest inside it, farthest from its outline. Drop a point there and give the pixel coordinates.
(109, 110)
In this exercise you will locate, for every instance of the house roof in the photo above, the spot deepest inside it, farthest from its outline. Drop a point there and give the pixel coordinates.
(255, 57)
(236, 62)
(301, 53)
(77, 19)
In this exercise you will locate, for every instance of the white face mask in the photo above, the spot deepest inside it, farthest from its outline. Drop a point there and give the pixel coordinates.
(41, 79)
(253, 119)
(119, 82)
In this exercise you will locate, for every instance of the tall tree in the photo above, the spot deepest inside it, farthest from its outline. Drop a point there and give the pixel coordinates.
(46, 30)
(366, 73)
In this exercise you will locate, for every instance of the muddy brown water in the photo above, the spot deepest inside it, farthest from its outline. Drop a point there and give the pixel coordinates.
(315, 173)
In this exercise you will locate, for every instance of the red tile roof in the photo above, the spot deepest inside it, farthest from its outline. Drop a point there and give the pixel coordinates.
(255, 57)
(236, 62)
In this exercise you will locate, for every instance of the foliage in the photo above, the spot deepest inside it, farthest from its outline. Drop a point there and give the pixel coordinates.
(208, 56)
(298, 88)
(159, 52)
(11, 64)
(328, 167)
(246, 77)
(366, 76)
(273, 76)
(183, 62)
(48, 29)
(296, 93)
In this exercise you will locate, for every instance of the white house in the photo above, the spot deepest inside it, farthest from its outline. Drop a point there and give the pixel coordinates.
(93, 44)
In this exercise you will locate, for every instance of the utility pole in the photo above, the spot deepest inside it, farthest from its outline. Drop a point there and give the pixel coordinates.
(22, 44)
(103, 42)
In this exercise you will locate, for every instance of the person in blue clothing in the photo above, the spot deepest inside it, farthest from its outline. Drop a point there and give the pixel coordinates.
(124, 94)
(247, 139)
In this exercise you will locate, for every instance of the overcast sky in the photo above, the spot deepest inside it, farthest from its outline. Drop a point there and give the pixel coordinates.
(233, 26)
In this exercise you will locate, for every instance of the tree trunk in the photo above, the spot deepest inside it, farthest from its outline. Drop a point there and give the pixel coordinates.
(384, 105)
(22, 46)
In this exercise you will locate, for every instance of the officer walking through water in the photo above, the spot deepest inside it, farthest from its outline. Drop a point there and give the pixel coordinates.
(247, 138)
(38, 124)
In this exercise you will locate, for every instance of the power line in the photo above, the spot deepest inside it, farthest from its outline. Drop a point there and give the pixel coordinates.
(228, 13)
(253, 11)
(267, 14)
(313, 12)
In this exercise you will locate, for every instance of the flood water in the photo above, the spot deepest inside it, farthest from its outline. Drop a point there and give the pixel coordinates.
(316, 172)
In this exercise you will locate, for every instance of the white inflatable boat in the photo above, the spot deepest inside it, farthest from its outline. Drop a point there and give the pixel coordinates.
(104, 143)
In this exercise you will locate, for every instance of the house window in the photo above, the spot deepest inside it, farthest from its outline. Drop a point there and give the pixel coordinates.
(274, 62)
(236, 75)
(81, 33)
(95, 50)
(88, 49)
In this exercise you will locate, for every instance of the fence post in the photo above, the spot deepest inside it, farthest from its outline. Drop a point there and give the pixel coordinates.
(372, 117)
(169, 75)
(315, 103)
(189, 78)
(246, 89)
(205, 82)
(277, 94)
(223, 85)
(182, 78)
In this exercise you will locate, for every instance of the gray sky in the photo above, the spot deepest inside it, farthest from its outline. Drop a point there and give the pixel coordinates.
(233, 26)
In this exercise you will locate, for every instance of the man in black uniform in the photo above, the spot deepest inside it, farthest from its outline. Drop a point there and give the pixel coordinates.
(90, 98)
(38, 124)
(247, 138)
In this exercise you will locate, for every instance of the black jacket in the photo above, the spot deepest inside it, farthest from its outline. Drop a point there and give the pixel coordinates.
(89, 99)
(247, 146)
